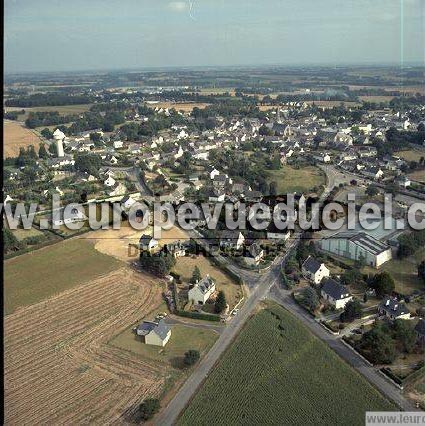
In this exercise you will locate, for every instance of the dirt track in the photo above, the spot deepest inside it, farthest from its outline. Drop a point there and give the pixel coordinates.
(59, 368)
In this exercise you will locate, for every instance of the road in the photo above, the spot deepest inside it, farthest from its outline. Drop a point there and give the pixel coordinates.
(264, 282)
(284, 298)
(264, 286)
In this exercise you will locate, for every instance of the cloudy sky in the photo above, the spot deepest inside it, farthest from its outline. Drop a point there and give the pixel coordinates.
(58, 35)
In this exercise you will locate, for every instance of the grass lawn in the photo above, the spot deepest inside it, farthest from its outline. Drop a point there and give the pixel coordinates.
(185, 265)
(21, 234)
(182, 339)
(404, 271)
(36, 276)
(289, 179)
(277, 372)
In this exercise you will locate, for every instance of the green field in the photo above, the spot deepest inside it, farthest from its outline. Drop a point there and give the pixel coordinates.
(35, 276)
(289, 179)
(183, 338)
(276, 372)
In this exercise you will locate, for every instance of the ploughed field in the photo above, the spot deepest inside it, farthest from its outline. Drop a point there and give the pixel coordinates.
(277, 372)
(59, 365)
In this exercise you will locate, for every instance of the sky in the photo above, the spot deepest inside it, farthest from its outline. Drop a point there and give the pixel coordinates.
(73, 35)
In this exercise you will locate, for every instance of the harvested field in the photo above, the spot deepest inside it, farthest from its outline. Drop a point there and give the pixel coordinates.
(376, 98)
(277, 372)
(61, 109)
(115, 242)
(418, 175)
(16, 136)
(35, 276)
(59, 367)
(180, 106)
(411, 154)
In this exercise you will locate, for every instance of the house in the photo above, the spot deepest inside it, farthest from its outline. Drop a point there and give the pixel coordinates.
(354, 245)
(202, 291)
(253, 255)
(154, 333)
(176, 249)
(110, 181)
(373, 172)
(313, 270)
(420, 331)
(335, 293)
(232, 239)
(147, 243)
(118, 144)
(64, 217)
(393, 309)
(403, 181)
(127, 202)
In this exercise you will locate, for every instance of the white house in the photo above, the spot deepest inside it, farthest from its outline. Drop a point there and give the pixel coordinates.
(354, 245)
(313, 270)
(118, 144)
(154, 333)
(110, 181)
(214, 172)
(393, 309)
(64, 217)
(127, 202)
(335, 293)
(146, 242)
(253, 254)
(202, 291)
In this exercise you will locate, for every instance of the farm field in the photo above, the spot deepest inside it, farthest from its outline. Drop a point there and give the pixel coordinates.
(115, 242)
(376, 98)
(289, 179)
(182, 339)
(16, 136)
(61, 109)
(277, 372)
(411, 154)
(33, 277)
(180, 106)
(185, 265)
(418, 175)
(59, 367)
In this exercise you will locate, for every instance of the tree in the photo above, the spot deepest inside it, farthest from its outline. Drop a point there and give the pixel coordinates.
(53, 149)
(42, 152)
(379, 344)
(196, 275)
(220, 302)
(404, 334)
(352, 277)
(89, 163)
(191, 357)
(421, 271)
(273, 188)
(148, 408)
(95, 136)
(372, 190)
(47, 133)
(383, 283)
(352, 311)
(310, 298)
(407, 246)
(10, 242)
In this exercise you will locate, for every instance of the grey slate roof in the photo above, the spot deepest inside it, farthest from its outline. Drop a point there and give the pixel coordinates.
(205, 284)
(160, 328)
(393, 307)
(334, 289)
(311, 265)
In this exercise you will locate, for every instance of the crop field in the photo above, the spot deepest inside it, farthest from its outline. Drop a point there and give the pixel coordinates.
(418, 175)
(411, 154)
(16, 136)
(289, 179)
(277, 372)
(61, 109)
(180, 106)
(185, 265)
(35, 276)
(58, 365)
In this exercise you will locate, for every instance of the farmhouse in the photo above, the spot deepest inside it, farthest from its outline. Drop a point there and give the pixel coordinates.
(393, 309)
(176, 249)
(202, 291)
(154, 333)
(147, 243)
(313, 270)
(127, 202)
(353, 245)
(232, 239)
(335, 293)
(65, 217)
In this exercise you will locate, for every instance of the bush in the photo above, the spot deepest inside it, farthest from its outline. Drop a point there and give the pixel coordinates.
(191, 357)
(148, 408)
